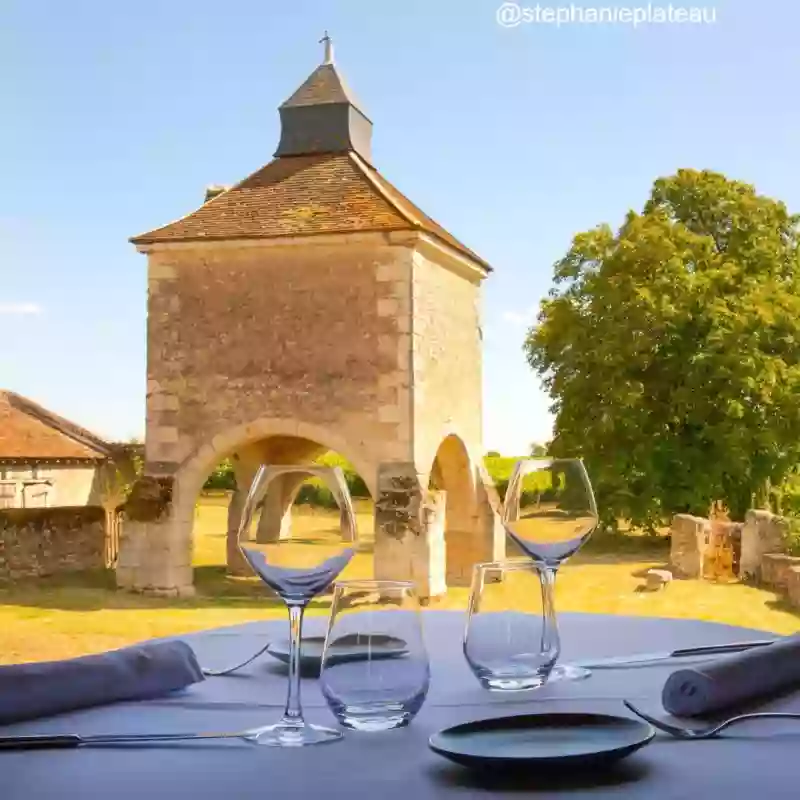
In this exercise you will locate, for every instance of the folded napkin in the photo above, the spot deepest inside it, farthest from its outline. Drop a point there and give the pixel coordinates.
(734, 680)
(28, 691)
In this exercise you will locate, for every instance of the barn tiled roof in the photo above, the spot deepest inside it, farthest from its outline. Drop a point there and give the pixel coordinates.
(30, 432)
(304, 195)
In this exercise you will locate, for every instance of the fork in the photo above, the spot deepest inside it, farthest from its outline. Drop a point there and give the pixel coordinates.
(709, 731)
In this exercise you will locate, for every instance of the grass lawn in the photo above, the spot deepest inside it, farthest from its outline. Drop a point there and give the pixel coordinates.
(83, 613)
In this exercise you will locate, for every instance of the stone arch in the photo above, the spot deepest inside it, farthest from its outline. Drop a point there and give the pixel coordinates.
(454, 476)
(194, 469)
(287, 441)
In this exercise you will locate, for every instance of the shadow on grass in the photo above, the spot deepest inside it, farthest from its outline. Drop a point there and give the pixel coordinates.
(96, 589)
(783, 604)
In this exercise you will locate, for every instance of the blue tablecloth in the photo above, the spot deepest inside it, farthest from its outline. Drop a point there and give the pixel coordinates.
(759, 761)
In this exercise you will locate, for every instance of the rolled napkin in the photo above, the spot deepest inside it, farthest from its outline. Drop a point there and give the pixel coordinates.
(28, 691)
(734, 680)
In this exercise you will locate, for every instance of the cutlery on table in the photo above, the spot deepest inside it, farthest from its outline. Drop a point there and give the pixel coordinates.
(643, 659)
(709, 731)
(216, 673)
(72, 740)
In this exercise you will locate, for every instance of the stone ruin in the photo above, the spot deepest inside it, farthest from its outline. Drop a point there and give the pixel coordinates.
(753, 551)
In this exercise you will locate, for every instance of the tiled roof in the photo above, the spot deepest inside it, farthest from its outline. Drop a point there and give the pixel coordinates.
(305, 195)
(30, 432)
(323, 85)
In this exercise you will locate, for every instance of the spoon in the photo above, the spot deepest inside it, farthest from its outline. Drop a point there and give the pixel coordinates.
(708, 731)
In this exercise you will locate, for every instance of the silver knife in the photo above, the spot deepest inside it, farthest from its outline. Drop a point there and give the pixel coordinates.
(645, 659)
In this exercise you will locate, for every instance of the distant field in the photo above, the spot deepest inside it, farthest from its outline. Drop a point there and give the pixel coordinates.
(58, 618)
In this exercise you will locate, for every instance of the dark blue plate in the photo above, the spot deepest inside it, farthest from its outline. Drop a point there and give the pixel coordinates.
(346, 648)
(552, 741)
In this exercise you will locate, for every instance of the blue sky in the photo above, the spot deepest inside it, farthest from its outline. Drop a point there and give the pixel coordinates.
(116, 115)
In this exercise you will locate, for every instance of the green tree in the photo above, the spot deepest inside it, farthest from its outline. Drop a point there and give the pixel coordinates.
(671, 350)
(538, 450)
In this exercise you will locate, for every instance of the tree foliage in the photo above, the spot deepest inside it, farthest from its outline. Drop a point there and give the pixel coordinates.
(671, 350)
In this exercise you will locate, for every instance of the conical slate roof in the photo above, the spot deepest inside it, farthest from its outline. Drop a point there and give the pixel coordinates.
(324, 85)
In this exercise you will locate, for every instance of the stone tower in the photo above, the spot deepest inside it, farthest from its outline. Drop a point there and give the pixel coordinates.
(313, 307)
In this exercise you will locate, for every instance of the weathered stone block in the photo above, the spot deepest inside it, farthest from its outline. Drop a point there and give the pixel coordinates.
(763, 532)
(775, 570)
(688, 542)
(793, 586)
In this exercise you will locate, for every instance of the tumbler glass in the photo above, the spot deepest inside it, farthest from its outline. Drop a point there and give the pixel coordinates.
(375, 670)
(511, 638)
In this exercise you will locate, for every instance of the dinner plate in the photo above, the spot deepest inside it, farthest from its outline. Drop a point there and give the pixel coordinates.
(568, 740)
(347, 648)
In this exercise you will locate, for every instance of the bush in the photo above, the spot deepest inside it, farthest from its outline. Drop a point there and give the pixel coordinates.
(793, 536)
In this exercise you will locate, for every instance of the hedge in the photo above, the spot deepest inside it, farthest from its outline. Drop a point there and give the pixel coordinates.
(315, 492)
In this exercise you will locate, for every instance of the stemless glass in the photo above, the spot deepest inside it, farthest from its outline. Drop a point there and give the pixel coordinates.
(296, 587)
(375, 670)
(511, 637)
(549, 511)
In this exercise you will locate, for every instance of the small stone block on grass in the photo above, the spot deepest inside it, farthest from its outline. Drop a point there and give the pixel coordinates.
(658, 579)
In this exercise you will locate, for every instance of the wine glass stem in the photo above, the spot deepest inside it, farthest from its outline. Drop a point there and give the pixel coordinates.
(293, 714)
(550, 632)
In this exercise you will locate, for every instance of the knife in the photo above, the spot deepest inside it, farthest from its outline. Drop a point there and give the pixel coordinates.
(646, 659)
(72, 740)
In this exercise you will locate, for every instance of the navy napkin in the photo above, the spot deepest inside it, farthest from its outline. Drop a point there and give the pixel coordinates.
(28, 691)
(734, 680)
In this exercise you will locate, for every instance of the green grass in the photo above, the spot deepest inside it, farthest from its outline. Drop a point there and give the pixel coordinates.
(83, 613)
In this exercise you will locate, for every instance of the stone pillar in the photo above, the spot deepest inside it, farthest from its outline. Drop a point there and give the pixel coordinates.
(398, 524)
(245, 466)
(689, 537)
(493, 533)
(235, 561)
(275, 524)
(428, 560)
(155, 554)
(763, 533)
(793, 586)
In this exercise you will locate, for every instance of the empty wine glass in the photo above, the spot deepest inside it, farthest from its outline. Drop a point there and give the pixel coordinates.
(549, 511)
(296, 587)
(375, 671)
(511, 638)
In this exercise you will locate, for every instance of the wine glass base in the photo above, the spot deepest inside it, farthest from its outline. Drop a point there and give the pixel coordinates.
(568, 672)
(292, 735)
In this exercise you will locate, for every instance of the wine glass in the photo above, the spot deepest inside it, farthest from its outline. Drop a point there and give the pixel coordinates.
(296, 587)
(549, 512)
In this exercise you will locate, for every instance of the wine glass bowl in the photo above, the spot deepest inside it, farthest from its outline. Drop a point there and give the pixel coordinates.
(549, 509)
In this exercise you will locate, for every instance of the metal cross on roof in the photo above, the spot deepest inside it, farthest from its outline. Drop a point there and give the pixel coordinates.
(327, 41)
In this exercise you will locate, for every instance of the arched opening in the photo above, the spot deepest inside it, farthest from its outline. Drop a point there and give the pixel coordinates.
(298, 521)
(452, 485)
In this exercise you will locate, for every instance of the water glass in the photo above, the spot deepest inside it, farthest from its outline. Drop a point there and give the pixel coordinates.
(375, 671)
(511, 639)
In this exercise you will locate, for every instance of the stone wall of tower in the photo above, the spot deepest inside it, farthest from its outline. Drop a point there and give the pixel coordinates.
(447, 358)
(311, 329)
